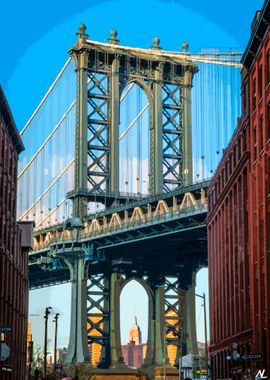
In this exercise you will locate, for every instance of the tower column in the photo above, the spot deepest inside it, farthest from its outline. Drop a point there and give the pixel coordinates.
(187, 128)
(77, 349)
(156, 179)
(191, 335)
(117, 359)
(80, 55)
(160, 346)
(156, 327)
(114, 131)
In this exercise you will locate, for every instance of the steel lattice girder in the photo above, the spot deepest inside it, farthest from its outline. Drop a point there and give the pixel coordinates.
(98, 127)
(172, 108)
(174, 312)
(98, 318)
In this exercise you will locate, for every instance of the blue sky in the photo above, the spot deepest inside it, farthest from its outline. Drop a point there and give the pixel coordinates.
(35, 38)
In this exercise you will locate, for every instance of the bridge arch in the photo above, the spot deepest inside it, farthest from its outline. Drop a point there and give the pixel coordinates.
(150, 305)
(136, 118)
(141, 83)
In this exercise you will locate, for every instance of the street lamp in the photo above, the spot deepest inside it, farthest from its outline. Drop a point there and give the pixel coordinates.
(55, 338)
(205, 332)
(46, 316)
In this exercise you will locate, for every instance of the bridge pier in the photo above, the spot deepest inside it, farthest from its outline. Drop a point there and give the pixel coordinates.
(191, 335)
(117, 359)
(160, 347)
(78, 349)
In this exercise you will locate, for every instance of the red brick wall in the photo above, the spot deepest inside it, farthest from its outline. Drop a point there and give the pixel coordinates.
(259, 200)
(13, 262)
(227, 257)
(239, 231)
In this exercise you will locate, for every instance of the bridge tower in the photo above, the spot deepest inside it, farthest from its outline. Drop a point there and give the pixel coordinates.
(103, 70)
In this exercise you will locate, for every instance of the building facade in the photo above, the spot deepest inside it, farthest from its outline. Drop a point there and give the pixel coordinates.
(257, 61)
(239, 225)
(228, 259)
(15, 241)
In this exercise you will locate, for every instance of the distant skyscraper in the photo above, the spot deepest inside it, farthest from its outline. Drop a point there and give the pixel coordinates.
(135, 334)
(133, 352)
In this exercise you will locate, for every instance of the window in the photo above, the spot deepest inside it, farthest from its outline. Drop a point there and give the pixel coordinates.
(255, 143)
(244, 138)
(267, 68)
(254, 94)
(260, 81)
(261, 134)
(234, 156)
(239, 147)
(230, 164)
(268, 121)
(244, 99)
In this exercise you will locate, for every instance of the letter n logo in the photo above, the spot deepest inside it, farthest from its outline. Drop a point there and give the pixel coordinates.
(260, 374)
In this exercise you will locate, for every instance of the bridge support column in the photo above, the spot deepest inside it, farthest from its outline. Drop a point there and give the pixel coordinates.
(191, 337)
(160, 346)
(156, 135)
(115, 121)
(77, 348)
(187, 143)
(156, 346)
(117, 360)
(81, 139)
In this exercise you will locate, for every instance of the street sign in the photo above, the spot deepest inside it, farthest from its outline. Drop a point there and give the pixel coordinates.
(6, 329)
(4, 351)
(252, 356)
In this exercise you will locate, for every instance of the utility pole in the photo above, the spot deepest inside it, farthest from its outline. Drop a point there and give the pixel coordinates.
(205, 332)
(55, 338)
(46, 316)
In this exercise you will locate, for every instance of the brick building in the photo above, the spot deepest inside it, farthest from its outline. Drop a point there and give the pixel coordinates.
(257, 62)
(15, 241)
(239, 224)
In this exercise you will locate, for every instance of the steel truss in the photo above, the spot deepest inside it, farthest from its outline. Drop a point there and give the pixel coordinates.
(98, 318)
(175, 315)
(172, 129)
(98, 131)
(110, 69)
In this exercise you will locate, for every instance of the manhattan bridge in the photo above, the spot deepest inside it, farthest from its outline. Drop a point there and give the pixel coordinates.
(117, 163)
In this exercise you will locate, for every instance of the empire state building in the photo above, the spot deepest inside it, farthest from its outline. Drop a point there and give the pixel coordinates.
(133, 352)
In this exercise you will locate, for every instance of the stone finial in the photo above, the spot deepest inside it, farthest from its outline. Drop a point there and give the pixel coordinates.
(82, 36)
(112, 39)
(156, 42)
(185, 47)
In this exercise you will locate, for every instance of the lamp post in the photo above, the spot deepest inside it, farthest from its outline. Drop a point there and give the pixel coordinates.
(46, 316)
(205, 332)
(55, 338)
